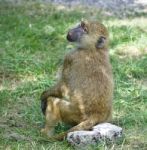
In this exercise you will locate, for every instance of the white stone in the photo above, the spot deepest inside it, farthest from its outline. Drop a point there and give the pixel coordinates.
(100, 132)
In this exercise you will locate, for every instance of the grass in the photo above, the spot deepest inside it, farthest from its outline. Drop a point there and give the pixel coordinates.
(32, 47)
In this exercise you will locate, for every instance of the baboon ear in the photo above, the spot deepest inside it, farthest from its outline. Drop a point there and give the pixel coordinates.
(101, 42)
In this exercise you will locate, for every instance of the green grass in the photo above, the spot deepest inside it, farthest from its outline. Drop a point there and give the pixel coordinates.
(32, 47)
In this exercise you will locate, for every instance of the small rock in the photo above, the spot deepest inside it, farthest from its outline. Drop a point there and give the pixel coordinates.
(100, 132)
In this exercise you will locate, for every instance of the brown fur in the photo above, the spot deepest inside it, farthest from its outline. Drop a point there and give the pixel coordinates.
(83, 95)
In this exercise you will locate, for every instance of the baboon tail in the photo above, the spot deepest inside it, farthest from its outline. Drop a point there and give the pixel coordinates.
(43, 105)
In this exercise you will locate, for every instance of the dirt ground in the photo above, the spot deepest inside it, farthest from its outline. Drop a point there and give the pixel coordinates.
(119, 8)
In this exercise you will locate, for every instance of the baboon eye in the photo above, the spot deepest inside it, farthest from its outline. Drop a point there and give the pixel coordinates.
(83, 25)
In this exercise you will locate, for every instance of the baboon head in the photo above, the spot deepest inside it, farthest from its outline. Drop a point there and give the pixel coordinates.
(89, 34)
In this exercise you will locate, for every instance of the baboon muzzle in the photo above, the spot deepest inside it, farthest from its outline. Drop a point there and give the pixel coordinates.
(75, 34)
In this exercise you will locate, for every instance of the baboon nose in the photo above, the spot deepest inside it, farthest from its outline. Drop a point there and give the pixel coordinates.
(69, 36)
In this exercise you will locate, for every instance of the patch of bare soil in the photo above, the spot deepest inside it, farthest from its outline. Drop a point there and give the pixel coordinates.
(12, 120)
(16, 137)
(131, 51)
(9, 125)
(119, 8)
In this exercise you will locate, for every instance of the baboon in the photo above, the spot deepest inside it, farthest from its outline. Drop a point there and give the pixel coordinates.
(83, 95)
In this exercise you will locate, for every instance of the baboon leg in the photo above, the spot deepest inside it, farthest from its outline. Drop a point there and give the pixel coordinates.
(52, 116)
(85, 125)
(59, 110)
